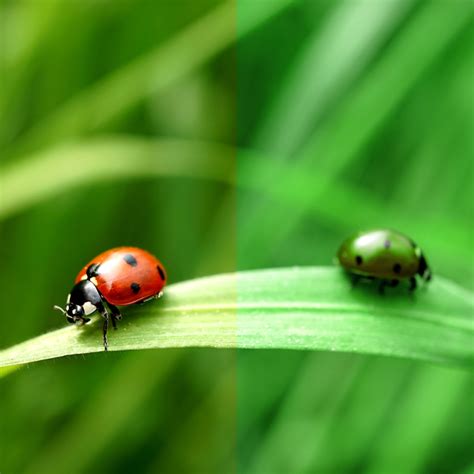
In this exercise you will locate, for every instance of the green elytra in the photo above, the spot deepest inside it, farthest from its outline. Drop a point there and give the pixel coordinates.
(383, 254)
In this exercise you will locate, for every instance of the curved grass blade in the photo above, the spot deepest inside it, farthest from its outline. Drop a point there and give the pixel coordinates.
(186, 51)
(292, 308)
(445, 390)
(355, 32)
(122, 157)
(113, 158)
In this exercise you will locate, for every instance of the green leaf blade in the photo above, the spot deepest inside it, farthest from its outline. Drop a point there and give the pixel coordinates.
(311, 308)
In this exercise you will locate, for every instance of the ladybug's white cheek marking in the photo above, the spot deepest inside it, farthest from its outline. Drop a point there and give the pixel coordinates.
(89, 308)
(94, 280)
(84, 277)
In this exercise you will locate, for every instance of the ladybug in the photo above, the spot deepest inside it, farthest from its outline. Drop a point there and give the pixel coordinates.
(118, 277)
(384, 255)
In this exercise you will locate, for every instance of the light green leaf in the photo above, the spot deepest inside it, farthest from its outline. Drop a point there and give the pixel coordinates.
(292, 308)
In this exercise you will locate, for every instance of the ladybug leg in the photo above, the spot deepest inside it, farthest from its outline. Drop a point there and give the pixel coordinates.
(354, 279)
(101, 308)
(115, 316)
(412, 284)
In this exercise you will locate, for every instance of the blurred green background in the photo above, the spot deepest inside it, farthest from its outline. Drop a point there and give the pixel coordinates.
(341, 115)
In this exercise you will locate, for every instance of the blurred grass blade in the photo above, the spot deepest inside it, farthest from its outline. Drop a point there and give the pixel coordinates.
(444, 390)
(115, 94)
(114, 415)
(118, 92)
(71, 165)
(452, 248)
(275, 450)
(251, 14)
(378, 377)
(297, 308)
(123, 157)
(367, 108)
(8, 369)
(330, 60)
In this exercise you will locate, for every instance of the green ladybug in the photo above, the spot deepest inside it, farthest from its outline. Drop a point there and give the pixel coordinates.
(384, 255)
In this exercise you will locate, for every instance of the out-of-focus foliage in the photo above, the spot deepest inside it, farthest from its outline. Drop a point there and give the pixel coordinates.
(81, 82)
(355, 115)
(349, 114)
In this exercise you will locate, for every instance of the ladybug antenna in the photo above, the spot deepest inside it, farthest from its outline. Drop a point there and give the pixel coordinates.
(59, 309)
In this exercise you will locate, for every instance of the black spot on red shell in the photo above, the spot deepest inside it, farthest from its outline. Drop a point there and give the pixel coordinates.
(387, 244)
(135, 287)
(397, 268)
(358, 260)
(130, 259)
(161, 272)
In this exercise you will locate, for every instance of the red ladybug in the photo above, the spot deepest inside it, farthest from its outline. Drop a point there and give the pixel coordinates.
(120, 276)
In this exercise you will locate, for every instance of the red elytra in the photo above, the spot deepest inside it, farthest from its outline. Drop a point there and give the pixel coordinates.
(120, 276)
(125, 275)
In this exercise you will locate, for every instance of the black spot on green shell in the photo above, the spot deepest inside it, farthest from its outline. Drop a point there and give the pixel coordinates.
(135, 287)
(130, 259)
(161, 272)
(397, 268)
(358, 260)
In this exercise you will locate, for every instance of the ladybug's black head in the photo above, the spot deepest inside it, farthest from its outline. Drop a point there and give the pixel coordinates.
(75, 314)
(81, 302)
(423, 268)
